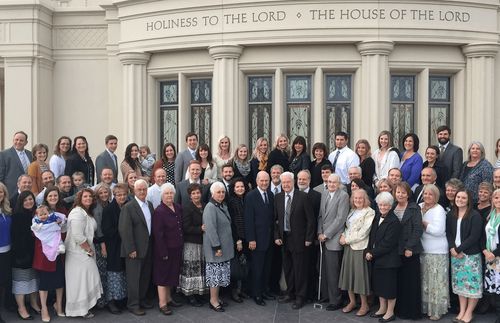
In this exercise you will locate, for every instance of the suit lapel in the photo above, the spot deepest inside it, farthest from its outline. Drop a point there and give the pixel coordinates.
(17, 159)
(139, 211)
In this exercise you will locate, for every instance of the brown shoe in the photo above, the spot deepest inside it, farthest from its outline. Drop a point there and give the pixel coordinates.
(137, 311)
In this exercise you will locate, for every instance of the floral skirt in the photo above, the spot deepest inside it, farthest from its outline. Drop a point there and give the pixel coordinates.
(192, 278)
(492, 277)
(101, 266)
(435, 289)
(117, 285)
(466, 276)
(218, 274)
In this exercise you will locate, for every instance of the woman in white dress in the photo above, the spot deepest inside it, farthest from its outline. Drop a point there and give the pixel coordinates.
(83, 284)
(385, 157)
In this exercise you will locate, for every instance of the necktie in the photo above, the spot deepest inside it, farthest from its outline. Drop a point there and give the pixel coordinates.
(24, 161)
(288, 208)
(266, 201)
(328, 199)
(441, 149)
(276, 190)
(116, 161)
(334, 164)
(193, 154)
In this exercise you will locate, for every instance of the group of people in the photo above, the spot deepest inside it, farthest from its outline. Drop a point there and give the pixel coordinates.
(272, 223)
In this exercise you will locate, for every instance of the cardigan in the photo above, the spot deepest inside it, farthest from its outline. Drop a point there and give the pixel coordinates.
(471, 230)
(412, 230)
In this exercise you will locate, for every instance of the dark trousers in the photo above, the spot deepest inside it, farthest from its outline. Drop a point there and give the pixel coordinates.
(138, 272)
(330, 272)
(276, 265)
(260, 263)
(296, 267)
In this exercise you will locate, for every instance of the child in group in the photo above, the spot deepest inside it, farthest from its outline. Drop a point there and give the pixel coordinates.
(47, 228)
(147, 160)
(78, 181)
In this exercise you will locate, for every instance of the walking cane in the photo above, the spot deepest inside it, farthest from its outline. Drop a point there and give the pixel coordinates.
(318, 304)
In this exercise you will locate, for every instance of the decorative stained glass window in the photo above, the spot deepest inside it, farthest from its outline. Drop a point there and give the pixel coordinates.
(260, 103)
(298, 98)
(338, 106)
(439, 105)
(402, 107)
(169, 109)
(201, 109)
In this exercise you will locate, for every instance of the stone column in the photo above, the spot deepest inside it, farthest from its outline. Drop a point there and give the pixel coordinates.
(227, 115)
(372, 115)
(135, 112)
(479, 120)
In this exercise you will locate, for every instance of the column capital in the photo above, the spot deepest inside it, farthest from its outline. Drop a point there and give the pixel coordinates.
(375, 47)
(225, 51)
(481, 50)
(136, 58)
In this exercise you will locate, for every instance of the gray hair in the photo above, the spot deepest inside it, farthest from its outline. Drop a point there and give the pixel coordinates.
(359, 169)
(279, 167)
(384, 198)
(481, 148)
(140, 182)
(215, 186)
(167, 186)
(287, 174)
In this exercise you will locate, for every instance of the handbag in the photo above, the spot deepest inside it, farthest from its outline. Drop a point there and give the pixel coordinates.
(239, 267)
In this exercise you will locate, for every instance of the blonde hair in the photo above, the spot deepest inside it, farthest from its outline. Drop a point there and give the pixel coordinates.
(5, 203)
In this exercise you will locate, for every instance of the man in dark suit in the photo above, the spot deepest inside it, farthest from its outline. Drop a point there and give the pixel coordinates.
(183, 158)
(428, 176)
(314, 197)
(450, 155)
(181, 194)
(294, 230)
(14, 161)
(331, 222)
(108, 159)
(259, 226)
(135, 230)
(24, 183)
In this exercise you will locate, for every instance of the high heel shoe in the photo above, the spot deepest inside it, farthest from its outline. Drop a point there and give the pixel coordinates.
(27, 318)
(61, 314)
(217, 308)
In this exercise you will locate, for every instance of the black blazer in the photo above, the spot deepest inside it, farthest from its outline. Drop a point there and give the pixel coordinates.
(192, 220)
(22, 240)
(109, 225)
(367, 171)
(411, 230)
(299, 163)
(315, 170)
(75, 163)
(315, 199)
(301, 221)
(471, 230)
(259, 219)
(383, 242)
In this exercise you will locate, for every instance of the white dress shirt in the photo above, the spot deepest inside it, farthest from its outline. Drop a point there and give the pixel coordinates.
(145, 210)
(347, 158)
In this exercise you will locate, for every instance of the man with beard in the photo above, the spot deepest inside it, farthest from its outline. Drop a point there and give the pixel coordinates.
(450, 155)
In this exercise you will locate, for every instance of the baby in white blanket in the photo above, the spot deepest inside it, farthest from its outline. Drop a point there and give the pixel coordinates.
(47, 228)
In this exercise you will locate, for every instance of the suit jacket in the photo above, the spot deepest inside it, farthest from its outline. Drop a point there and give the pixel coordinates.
(301, 221)
(314, 198)
(331, 220)
(104, 160)
(411, 230)
(134, 229)
(471, 230)
(112, 239)
(452, 159)
(259, 219)
(383, 243)
(181, 194)
(443, 201)
(11, 167)
(181, 165)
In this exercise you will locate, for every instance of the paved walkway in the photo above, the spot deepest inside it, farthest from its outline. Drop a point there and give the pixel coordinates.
(246, 312)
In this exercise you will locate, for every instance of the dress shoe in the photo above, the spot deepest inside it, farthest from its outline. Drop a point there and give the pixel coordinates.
(390, 319)
(333, 307)
(147, 305)
(297, 305)
(259, 301)
(165, 310)
(113, 309)
(244, 295)
(376, 316)
(193, 301)
(268, 297)
(26, 318)
(217, 308)
(173, 303)
(137, 311)
(235, 296)
(285, 299)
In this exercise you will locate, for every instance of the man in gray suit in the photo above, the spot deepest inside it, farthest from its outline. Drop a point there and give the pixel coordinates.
(107, 159)
(450, 155)
(326, 171)
(15, 161)
(135, 230)
(333, 212)
(183, 158)
(181, 194)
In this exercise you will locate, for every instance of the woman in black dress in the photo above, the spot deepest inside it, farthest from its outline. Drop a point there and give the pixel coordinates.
(382, 252)
(366, 162)
(280, 154)
(80, 161)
